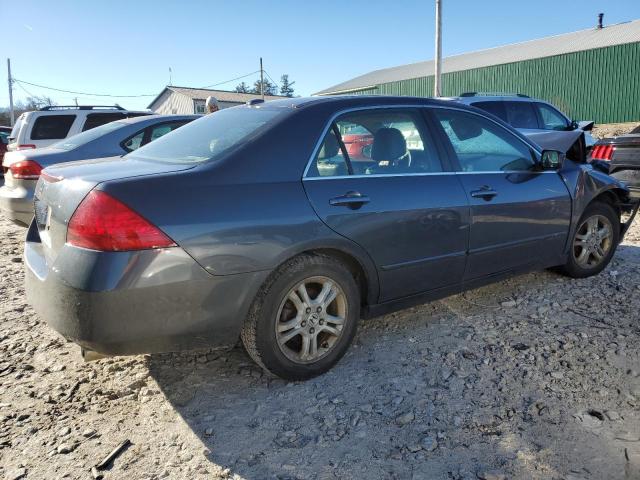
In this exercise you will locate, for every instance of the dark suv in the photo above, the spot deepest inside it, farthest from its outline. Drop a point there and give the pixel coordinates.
(528, 115)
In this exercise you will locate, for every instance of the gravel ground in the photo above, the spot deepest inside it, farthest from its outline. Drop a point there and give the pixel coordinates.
(613, 129)
(535, 377)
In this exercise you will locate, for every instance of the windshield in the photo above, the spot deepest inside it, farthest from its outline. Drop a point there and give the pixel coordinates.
(83, 138)
(209, 137)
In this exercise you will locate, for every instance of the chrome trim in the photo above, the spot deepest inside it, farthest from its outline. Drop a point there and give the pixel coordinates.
(428, 174)
(408, 105)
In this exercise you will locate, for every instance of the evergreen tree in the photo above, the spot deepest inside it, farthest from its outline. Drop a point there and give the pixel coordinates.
(269, 88)
(243, 88)
(286, 87)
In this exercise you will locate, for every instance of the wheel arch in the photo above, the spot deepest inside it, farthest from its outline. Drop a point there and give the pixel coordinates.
(359, 264)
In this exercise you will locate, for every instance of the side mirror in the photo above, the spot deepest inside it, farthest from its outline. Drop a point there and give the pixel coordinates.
(552, 160)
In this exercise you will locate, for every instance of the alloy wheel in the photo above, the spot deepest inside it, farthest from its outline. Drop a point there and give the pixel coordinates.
(593, 241)
(310, 319)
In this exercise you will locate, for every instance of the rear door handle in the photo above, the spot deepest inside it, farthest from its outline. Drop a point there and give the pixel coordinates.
(350, 199)
(485, 192)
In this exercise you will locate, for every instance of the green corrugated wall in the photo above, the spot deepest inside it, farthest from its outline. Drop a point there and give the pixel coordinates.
(602, 84)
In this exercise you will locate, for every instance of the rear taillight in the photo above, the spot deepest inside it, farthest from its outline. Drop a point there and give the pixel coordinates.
(101, 222)
(25, 170)
(25, 146)
(602, 152)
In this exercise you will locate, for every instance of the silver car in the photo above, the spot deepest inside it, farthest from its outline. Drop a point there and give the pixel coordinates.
(22, 168)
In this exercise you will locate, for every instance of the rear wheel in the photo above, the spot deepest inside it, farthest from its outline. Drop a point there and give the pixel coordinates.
(304, 318)
(594, 241)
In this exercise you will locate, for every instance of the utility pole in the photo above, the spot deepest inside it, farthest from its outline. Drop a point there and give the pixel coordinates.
(437, 82)
(10, 81)
(261, 80)
(75, 99)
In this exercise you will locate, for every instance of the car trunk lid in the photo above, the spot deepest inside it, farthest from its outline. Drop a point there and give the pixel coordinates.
(62, 187)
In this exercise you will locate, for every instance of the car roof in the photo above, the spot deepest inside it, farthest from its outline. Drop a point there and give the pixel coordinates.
(346, 101)
(155, 118)
(493, 98)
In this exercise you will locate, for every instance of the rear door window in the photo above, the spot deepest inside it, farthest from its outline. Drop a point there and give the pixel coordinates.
(551, 118)
(96, 119)
(496, 108)
(521, 115)
(52, 127)
(376, 142)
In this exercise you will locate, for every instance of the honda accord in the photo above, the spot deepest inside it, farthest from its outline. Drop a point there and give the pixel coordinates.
(255, 223)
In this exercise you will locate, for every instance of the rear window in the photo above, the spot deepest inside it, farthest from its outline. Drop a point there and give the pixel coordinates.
(210, 137)
(496, 108)
(96, 119)
(85, 137)
(52, 127)
(521, 115)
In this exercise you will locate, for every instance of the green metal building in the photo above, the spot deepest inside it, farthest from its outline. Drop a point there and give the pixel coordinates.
(591, 74)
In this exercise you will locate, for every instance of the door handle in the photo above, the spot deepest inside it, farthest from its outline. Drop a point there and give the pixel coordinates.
(352, 200)
(485, 192)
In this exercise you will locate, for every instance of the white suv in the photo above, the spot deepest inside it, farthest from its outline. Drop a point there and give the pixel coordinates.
(48, 125)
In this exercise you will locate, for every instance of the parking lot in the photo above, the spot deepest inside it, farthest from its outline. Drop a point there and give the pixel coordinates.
(535, 377)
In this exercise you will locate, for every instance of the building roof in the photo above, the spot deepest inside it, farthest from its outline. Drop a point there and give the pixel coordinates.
(627, 32)
(220, 95)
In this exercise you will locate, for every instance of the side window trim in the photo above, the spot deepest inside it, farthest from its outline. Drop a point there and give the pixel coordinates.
(343, 148)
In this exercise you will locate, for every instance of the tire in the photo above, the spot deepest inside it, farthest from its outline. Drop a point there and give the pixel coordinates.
(599, 212)
(280, 310)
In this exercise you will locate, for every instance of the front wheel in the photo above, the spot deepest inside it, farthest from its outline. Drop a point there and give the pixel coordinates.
(594, 241)
(304, 318)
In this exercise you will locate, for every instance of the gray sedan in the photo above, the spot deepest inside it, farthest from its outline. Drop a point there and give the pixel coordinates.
(255, 222)
(22, 168)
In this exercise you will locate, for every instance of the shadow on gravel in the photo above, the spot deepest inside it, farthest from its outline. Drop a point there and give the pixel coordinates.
(445, 390)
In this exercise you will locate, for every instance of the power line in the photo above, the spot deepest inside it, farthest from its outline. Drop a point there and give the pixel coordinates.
(84, 93)
(277, 84)
(232, 80)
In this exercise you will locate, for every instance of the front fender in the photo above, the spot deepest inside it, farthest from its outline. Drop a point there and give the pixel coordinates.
(585, 184)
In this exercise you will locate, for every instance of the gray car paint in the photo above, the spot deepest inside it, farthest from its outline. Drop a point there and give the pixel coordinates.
(236, 219)
(16, 200)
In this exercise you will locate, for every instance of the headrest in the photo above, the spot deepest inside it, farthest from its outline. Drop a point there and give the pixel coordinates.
(388, 144)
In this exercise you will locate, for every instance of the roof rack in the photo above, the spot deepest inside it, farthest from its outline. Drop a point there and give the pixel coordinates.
(254, 101)
(493, 94)
(80, 107)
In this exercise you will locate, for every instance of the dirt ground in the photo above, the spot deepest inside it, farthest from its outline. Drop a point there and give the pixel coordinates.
(536, 377)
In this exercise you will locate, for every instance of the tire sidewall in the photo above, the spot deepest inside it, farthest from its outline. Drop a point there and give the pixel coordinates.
(607, 211)
(266, 341)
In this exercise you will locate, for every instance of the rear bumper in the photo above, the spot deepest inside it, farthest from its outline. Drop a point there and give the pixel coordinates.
(16, 203)
(121, 303)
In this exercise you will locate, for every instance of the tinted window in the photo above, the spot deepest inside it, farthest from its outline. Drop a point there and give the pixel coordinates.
(551, 118)
(521, 115)
(210, 137)
(86, 137)
(50, 127)
(161, 130)
(481, 145)
(329, 161)
(380, 142)
(96, 119)
(496, 108)
(4, 137)
(133, 143)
